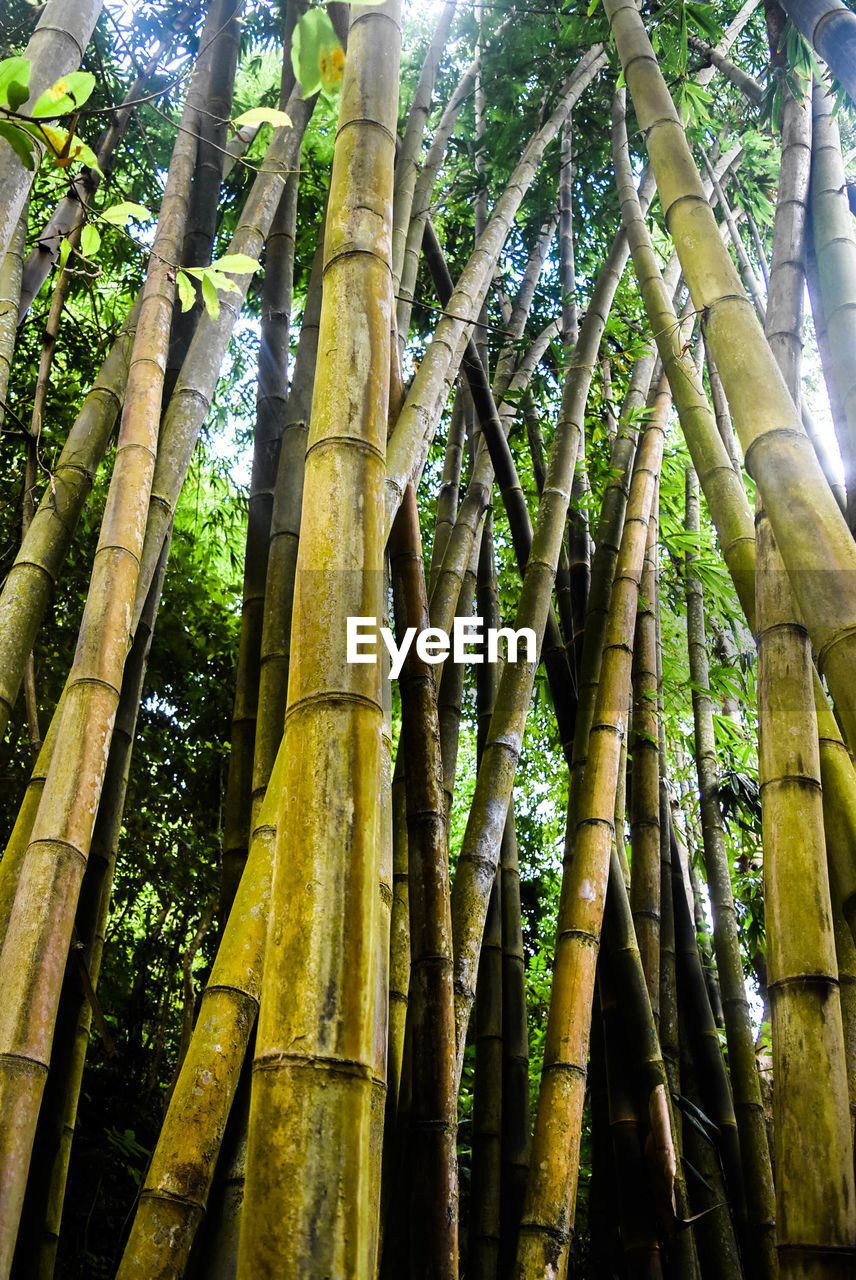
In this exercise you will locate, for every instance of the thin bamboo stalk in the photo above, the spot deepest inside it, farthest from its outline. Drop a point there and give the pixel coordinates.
(432, 383)
(315, 1054)
(515, 1128)
(11, 271)
(548, 1211)
(433, 1115)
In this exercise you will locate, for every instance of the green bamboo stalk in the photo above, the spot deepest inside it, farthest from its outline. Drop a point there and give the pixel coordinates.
(812, 535)
(432, 383)
(831, 470)
(721, 412)
(835, 250)
(548, 1211)
(54, 49)
(432, 1157)
(645, 791)
(829, 25)
(313, 1071)
(42, 916)
(447, 497)
(35, 571)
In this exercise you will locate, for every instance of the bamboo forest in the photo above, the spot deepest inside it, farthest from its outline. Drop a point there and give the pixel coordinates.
(427, 640)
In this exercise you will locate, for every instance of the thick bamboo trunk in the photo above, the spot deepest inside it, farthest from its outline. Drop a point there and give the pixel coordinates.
(812, 535)
(554, 1165)
(54, 49)
(312, 1103)
(11, 272)
(515, 1128)
(831, 27)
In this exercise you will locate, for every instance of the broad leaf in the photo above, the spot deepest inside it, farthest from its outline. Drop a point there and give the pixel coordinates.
(263, 115)
(66, 95)
(119, 215)
(90, 241)
(14, 76)
(21, 143)
(209, 297)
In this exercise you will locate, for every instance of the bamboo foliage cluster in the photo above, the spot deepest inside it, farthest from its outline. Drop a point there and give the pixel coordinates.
(429, 1042)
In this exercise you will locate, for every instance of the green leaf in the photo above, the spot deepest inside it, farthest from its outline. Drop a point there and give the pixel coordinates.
(90, 241)
(316, 55)
(14, 75)
(263, 115)
(209, 297)
(186, 291)
(119, 215)
(592, 9)
(64, 252)
(21, 143)
(240, 264)
(66, 95)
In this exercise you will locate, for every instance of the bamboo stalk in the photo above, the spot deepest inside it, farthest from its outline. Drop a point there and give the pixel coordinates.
(548, 1211)
(37, 565)
(429, 391)
(829, 25)
(54, 49)
(515, 1128)
(313, 1071)
(645, 792)
(42, 916)
(812, 535)
(11, 271)
(835, 249)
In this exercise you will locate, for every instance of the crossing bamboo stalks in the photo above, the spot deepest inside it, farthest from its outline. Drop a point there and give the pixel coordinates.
(721, 413)
(432, 1159)
(831, 27)
(835, 249)
(431, 386)
(313, 1070)
(726, 935)
(54, 49)
(69, 215)
(42, 916)
(645, 791)
(43, 1204)
(407, 162)
(480, 848)
(747, 85)
(426, 178)
(176, 1187)
(271, 402)
(447, 497)
(29, 583)
(197, 380)
(811, 533)
(706, 1049)
(554, 1164)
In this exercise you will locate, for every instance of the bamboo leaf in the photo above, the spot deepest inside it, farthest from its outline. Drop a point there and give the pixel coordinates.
(21, 143)
(263, 115)
(186, 291)
(66, 95)
(209, 297)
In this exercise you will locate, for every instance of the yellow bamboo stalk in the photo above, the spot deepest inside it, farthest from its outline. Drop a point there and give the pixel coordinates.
(311, 1115)
(548, 1212)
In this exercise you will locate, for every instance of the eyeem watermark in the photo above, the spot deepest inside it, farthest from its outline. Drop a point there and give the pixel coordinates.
(467, 643)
